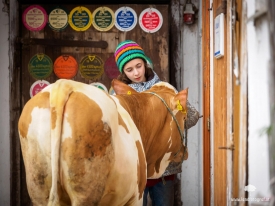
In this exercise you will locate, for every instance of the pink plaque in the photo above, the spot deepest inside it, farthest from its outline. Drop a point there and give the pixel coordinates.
(38, 86)
(35, 18)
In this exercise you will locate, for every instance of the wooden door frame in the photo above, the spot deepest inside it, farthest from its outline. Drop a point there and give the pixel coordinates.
(15, 104)
(206, 102)
(243, 141)
(17, 182)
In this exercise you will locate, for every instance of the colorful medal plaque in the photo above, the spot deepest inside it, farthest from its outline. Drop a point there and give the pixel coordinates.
(40, 66)
(65, 67)
(58, 19)
(91, 67)
(126, 19)
(80, 18)
(35, 18)
(103, 19)
(110, 68)
(38, 86)
(150, 20)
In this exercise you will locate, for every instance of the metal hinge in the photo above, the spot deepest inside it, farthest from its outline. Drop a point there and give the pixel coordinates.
(208, 123)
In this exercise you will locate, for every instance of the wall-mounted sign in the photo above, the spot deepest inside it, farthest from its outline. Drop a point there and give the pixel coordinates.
(40, 66)
(58, 19)
(35, 18)
(219, 36)
(65, 67)
(100, 86)
(103, 19)
(126, 18)
(38, 86)
(110, 68)
(91, 67)
(80, 18)
(150, 20)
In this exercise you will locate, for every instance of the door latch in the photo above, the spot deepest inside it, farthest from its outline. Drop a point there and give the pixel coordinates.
(231, 147)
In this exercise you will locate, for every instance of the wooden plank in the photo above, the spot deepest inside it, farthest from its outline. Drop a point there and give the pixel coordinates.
(220, 121)
(229, 102)
(79, 2)
(15, 106)
(206, 102)
(175, 44)
(243, 106)
(271, 139)
(61, 42)
(175, 74)
(236, 106)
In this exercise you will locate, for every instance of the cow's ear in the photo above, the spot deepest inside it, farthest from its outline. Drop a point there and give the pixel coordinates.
(180, 100)
(121, 88)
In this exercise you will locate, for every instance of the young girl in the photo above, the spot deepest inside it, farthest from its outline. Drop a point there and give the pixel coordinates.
(137, 72)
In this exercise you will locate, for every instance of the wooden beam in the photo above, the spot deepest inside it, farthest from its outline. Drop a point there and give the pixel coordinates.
(175, 45)
(243, 105)
(15, 106)
(271, 139)
(63, 43)
(206, 102)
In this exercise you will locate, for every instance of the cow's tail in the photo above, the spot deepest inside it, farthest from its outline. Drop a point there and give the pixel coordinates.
(59, 95)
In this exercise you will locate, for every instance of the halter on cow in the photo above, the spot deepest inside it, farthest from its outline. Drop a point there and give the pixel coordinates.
(82, 146)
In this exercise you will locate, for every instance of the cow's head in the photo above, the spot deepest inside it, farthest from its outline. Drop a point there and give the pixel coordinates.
(159, 113)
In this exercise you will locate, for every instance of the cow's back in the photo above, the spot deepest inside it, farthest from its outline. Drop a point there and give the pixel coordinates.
(94, 168)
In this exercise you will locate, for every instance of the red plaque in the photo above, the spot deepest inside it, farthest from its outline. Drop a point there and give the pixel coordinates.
(111, 68)
(65, 67)
(150, 20)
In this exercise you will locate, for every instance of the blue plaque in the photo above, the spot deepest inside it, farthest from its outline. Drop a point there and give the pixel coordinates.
(126, 19)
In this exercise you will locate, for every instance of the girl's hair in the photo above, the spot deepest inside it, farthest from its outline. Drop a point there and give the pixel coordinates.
(149, 74)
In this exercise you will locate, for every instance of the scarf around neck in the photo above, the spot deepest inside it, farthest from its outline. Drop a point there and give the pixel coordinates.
(142, 86)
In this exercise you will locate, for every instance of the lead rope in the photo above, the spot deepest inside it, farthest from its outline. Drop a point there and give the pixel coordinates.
(183, 137)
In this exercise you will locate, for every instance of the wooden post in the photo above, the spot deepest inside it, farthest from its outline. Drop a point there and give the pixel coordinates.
(243, 106)
(15, 107)
(175, 45)
(271, 134)
(206, 101)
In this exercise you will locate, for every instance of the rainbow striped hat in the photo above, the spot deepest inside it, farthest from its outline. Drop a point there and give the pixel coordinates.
(127, 51)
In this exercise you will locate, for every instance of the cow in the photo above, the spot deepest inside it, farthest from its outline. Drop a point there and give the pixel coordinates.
(82, 146)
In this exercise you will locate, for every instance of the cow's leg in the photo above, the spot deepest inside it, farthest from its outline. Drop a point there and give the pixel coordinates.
(38, 172)
(34, 132)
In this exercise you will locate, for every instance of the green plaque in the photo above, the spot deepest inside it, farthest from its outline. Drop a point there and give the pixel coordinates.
(40, 66)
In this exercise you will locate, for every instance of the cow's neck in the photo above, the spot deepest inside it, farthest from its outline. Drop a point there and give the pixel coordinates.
(151, 118)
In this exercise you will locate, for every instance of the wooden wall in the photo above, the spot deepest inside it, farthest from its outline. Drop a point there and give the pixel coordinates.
(155, 45)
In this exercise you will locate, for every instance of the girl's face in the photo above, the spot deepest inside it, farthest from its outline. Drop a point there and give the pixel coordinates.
(135, 70)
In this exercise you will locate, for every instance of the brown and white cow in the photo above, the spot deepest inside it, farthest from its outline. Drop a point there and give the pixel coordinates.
(82, 146)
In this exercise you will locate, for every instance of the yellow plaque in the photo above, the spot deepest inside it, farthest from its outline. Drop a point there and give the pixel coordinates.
(80, 18)
(91, 67)
(103, 18)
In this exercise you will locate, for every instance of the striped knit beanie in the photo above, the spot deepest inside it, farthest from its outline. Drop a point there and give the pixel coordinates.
(127, 51)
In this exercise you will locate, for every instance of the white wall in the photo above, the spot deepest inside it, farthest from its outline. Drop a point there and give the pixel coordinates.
(192, 168)
(258, 102)
(4, 110)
